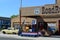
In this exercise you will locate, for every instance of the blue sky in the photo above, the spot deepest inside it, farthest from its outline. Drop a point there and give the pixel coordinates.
(11, 7)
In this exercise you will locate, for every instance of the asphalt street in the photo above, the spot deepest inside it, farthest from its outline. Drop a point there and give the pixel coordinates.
(1, 38)
(16, 37)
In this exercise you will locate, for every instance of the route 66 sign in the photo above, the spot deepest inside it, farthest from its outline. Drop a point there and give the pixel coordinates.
(36, 11)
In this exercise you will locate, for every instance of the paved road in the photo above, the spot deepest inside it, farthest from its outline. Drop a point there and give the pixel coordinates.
(16, 37)
(1, 38)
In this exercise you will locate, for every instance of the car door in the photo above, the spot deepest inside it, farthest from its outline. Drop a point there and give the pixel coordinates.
(9, 30)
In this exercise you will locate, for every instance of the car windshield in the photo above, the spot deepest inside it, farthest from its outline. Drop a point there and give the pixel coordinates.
(10, 28)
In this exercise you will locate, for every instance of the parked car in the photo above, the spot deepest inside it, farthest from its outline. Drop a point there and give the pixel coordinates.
(10, 31)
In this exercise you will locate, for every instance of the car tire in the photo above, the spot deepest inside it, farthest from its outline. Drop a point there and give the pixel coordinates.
(4, 32)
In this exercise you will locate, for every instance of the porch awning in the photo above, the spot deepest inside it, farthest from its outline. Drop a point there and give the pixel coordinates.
(43, 16)
(32, 16)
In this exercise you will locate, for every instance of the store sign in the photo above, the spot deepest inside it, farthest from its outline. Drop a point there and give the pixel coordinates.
(36, 11)
(54, 9)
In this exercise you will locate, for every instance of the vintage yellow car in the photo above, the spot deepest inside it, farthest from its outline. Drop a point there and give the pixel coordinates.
(10, 31)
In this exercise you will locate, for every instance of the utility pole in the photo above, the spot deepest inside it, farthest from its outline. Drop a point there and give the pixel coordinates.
(20, 28)
(20, 11)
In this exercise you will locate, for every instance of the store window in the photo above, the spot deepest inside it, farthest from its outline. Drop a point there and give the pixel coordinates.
(33, 21)
(0, 21)
(56, 6)
(52, 26)
(43, 7)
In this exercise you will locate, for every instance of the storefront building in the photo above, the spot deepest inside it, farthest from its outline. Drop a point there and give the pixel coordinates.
(49, 14)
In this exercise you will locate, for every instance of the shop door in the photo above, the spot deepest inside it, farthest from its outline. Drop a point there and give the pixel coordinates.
(42, 25)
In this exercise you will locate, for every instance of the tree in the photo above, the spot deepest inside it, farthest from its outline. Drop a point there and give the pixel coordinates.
(14, 16)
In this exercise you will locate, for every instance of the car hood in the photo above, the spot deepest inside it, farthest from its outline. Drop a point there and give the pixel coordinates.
(4, 30)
